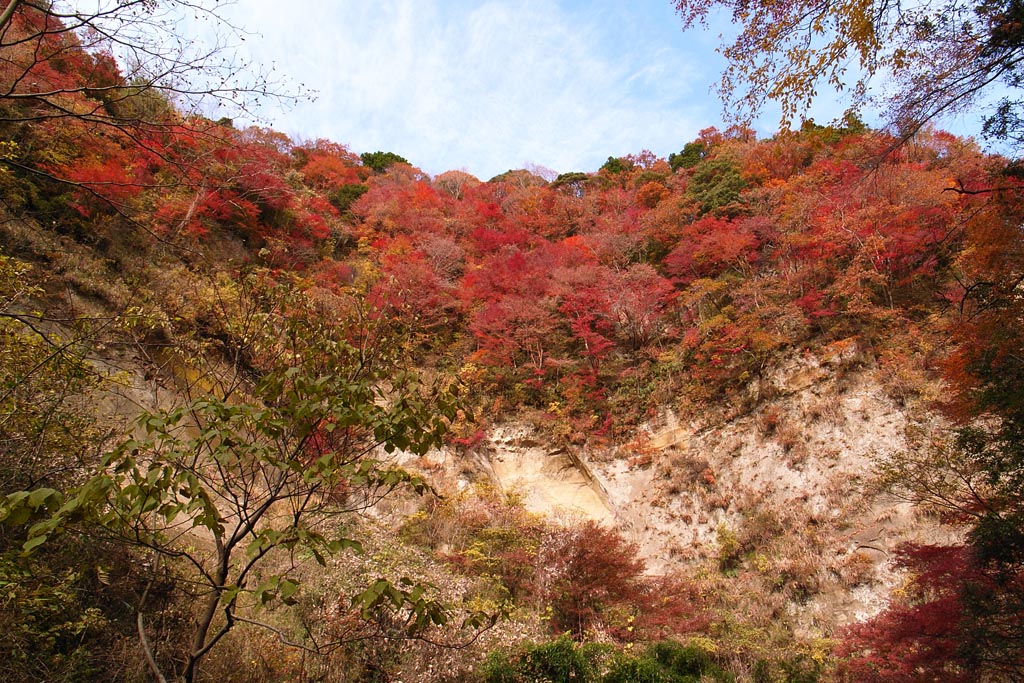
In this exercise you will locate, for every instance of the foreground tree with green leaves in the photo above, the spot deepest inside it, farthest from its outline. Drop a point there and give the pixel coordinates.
(223, 498)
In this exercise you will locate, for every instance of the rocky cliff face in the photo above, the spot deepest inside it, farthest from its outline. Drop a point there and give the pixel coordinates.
(784, 492)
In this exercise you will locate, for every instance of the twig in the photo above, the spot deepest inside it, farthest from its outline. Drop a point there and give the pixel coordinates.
(280, 635)
(150, 659)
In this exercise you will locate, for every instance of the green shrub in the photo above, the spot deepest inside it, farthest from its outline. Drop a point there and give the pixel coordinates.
(799, 669)
(345, 196)
(643, 670)
(681, 659)
(562, 661)
(558, 661)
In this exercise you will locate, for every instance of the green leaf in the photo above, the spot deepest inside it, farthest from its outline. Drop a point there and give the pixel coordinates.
(229, 594)
(43, 496)
(33, 543)
(346, 544)
(286, 591)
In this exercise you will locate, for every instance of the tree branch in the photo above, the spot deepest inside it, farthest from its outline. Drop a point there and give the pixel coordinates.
(961, 190)
(5, 18)
(144, 640)
(280, 635)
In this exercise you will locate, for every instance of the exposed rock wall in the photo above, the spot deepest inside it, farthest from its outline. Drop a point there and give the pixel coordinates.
(789, 483)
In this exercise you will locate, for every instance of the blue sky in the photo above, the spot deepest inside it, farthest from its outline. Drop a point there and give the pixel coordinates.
(488, 86)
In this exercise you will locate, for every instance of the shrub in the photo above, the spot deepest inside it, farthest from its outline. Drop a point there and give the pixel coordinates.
(590, 570)
(683, 660)
(558, 661)
(667, 661)
(642, 670)
(561, 661)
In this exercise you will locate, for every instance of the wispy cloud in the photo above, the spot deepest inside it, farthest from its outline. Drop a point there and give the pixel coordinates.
(487, 86)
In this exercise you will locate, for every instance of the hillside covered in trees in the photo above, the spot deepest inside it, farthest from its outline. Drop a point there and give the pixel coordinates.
(228, 359)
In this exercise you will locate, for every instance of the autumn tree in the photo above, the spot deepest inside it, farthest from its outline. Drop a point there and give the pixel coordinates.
(944, 57)
(100, 101)
(455, 183)
(962, 620)
(638, 300)
(587, 307)
(412, 299)
(937, 628)
(126, 60)
(589, 569)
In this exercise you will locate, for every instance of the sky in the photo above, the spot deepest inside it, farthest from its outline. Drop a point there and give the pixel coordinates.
(489, 86)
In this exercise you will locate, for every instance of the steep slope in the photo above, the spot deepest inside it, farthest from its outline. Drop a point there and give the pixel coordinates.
(787, 491)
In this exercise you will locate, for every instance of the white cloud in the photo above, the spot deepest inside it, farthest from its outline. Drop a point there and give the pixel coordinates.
(484, 86)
